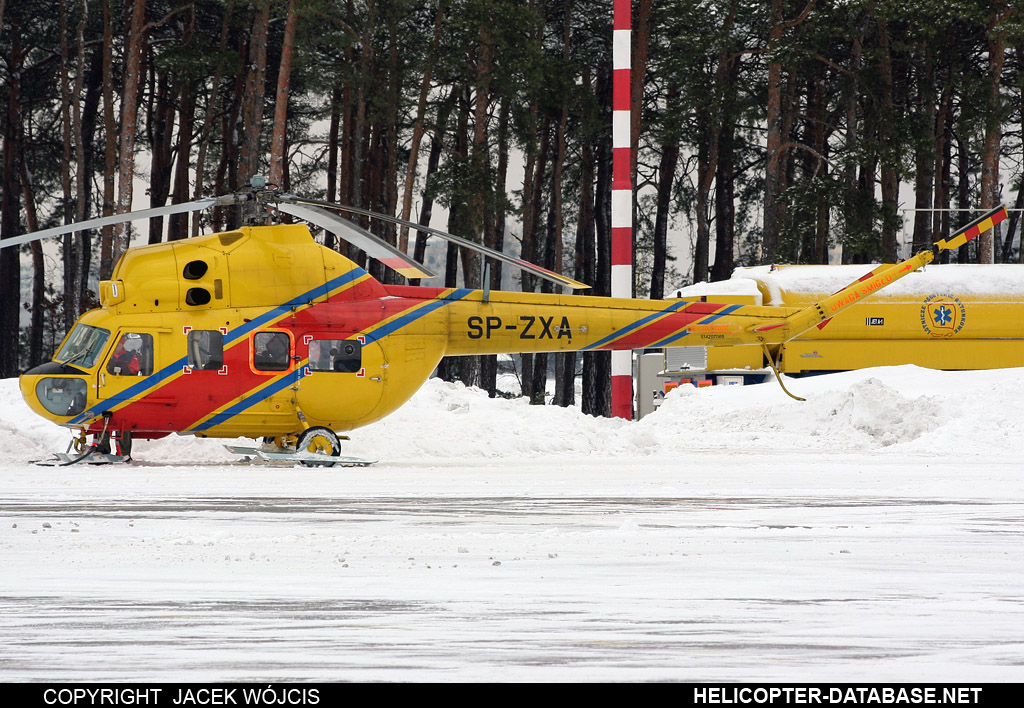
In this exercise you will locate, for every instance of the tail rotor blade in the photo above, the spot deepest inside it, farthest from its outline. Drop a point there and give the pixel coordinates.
(968, 233)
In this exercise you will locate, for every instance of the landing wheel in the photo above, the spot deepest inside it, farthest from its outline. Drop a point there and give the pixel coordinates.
(102, 443)
(124, 444)
(319, 441)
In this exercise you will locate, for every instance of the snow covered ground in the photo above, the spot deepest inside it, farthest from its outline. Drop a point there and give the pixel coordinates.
(872, 533)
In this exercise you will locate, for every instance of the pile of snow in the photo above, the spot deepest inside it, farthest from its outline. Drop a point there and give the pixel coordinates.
(902, 409)
(966, 280)
(737, 286)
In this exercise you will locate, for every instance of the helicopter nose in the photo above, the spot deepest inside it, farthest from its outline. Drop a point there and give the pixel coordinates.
(54, 390)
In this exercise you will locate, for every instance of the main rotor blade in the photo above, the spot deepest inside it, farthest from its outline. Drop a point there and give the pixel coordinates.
(374, 246)
(556, 278)
(111, 220)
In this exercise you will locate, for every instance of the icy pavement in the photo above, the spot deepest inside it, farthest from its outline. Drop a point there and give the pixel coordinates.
(871, 534)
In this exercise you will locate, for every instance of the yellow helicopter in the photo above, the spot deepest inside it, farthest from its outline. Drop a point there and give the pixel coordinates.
(263, 333)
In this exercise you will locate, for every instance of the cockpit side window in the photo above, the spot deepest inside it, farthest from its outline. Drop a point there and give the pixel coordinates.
(83, 346)
(133, 355)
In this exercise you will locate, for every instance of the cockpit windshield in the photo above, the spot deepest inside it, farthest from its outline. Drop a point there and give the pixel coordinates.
(83, 346)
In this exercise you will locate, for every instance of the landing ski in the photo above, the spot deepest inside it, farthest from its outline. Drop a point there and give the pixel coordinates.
(63, 459)
(305, 458)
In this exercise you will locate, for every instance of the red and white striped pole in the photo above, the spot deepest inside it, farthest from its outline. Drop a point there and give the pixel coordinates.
(622, 198)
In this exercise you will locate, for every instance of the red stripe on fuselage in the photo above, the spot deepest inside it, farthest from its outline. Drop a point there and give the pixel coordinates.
(186, 400)
(665, 326)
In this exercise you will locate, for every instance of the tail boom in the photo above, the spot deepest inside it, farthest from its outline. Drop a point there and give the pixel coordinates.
(505, 322)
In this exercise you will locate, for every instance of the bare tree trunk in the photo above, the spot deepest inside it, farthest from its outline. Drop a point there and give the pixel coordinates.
(988, 240)
(638, 74)
(10, 223)
(284, 72)
(159, 138)
(39, 304)
(597, 394)
(775, 166)
(333, 148)
(82, 171)
(252, 101)
(433, 160)
(160, 124)
(889, 169)
(925, 158)
(725, 211)
(358, 130)
(129, 126)
(347, 178)
(494, 237)
(852, 144)
(707, 165)
(211, 111)
(772, 177)
(450, 367)
(110, 156)
(392, 111)
(1020, 105)
(227, 176)
(76, 245)
(666, 178)
(593, 386)
(533, 251)
(943, 158)
(70, 245)
(963, 192)
(177, 224)
(418, 128)
(480, 161)
(565, 363)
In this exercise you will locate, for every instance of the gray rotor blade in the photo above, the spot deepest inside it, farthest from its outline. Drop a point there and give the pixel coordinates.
(114, 219)
(557, 278)
(374, 246)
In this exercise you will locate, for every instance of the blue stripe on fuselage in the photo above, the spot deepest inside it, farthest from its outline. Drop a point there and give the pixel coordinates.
(679, 335)
(636, 325)
(142, 387)
(410, 317)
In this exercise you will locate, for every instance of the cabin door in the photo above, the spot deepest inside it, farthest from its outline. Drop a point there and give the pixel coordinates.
(344, 379)
(122, 376)
(124, 383)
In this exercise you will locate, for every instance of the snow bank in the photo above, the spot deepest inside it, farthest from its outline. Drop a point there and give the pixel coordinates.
(966, 280)
(902, 409)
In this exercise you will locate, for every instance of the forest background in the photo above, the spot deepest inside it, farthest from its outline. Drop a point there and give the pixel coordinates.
(798, 131)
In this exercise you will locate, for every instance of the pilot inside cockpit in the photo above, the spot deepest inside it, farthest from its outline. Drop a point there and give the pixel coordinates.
(127, 358)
